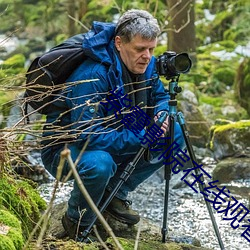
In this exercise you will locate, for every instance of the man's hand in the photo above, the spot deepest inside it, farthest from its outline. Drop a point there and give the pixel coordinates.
(165, 124)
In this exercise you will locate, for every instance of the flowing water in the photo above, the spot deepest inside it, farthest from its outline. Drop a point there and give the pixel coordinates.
(187, 213)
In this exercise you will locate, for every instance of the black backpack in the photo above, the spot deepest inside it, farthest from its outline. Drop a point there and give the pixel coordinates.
(47, 74)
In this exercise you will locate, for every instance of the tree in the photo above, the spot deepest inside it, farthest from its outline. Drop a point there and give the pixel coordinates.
(181, 27)
(76, 11)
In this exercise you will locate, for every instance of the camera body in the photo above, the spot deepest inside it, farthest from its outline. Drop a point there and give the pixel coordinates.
(171, 65)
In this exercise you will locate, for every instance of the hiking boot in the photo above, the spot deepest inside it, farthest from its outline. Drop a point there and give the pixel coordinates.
(121, 211)
(75, 231)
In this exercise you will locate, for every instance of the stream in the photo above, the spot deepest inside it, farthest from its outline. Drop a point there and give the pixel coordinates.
(188, 216)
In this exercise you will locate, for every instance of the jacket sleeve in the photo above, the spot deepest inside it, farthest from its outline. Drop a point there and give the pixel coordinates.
(89, 118)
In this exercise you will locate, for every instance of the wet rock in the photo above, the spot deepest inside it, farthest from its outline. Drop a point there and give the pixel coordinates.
(231, 169)
(30, 167)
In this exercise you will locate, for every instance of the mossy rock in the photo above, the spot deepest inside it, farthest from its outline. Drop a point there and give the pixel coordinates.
(150, 235)
(212, 75)
(219, 107)
(224, 75)
(22, 200)
(10, 231)
(231, 139)
(128, 244)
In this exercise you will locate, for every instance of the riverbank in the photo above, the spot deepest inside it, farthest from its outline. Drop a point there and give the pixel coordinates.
(188, 217)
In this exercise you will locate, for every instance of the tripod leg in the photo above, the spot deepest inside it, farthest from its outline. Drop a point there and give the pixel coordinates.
(181, 120)
(124, 176)
(167, 173)
(164, 229)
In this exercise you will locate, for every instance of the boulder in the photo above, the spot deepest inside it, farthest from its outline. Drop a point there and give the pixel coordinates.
(150, 235)
(232, 169)
(230, 139)
(197, 125)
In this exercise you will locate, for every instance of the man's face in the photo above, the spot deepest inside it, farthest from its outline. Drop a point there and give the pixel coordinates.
(137, 53)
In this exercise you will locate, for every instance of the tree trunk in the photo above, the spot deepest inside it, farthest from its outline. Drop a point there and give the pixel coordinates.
(181, 27)
(71, 6)
(83, 7)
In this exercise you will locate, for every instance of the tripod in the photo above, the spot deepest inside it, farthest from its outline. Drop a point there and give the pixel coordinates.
(124, 176)
(173, 90)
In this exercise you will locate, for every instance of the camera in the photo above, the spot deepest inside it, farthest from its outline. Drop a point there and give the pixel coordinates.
(171, 65)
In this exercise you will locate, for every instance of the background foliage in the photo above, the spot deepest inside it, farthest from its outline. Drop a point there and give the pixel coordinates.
(214, 33)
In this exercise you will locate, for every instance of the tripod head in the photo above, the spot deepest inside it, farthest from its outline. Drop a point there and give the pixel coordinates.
(174, 89)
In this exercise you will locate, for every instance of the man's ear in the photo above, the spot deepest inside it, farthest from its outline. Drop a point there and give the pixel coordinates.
(118, 42)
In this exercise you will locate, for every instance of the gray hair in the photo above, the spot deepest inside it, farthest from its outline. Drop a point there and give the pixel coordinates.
(137, 22)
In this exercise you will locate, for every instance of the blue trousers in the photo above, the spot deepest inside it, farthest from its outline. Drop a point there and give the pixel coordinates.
(99, 170)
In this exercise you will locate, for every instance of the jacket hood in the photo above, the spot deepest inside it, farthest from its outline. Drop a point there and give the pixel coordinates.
(98, 43)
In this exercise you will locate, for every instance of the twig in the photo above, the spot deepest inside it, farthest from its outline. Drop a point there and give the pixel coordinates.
(66, 154)
(77, 21)
(99, 238)
(137, 236)
(45, 217)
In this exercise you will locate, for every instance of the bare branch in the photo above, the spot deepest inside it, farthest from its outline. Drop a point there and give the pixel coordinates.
(66, 154)
(77, 21)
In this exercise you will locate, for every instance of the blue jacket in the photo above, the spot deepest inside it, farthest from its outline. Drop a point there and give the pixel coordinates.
(87, 118)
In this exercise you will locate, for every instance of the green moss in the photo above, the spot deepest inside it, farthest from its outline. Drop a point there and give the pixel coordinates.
(225, 75)
(16, 237)
(13, 71)
(16, 61)
(6, 243)
(214, 101)
(128, 244)
(91, 247)
(6, 96)
(13, 239)
(228, 45)
(174, 246)
(219, 102)
(9, 219)
(235, 125)
(222, 122)
(21, 199)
